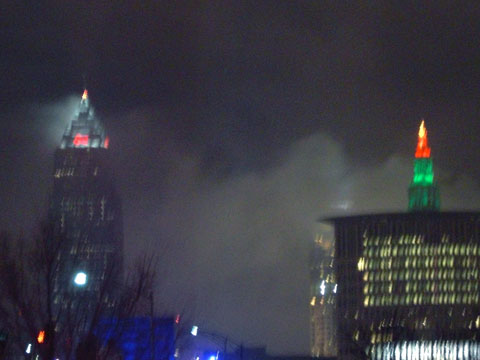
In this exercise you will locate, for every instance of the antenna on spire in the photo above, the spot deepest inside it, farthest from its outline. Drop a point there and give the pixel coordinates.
(85, 92)
(84, 103)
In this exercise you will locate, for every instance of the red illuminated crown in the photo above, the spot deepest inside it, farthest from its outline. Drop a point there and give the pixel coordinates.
(423, 151)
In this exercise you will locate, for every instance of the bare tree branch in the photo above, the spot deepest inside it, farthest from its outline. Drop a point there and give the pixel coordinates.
(30, 302)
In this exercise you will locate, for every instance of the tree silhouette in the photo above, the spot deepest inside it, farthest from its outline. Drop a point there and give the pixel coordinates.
(30, 303)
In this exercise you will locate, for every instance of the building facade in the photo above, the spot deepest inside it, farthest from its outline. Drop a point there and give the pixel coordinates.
(85, 210)
(409, 283)
(323, 288)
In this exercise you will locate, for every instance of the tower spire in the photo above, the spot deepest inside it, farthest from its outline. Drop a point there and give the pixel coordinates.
(84, 103)
(423, 151)
(85, 131)
(423, 194)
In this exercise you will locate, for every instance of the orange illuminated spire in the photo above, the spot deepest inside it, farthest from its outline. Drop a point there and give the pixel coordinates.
(423, 151)
(85, 95)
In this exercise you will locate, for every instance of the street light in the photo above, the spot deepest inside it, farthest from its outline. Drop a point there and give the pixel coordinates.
(80, 279)
(194, 330)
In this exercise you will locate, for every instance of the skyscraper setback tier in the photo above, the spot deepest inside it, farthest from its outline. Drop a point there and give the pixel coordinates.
(409, 285)
(85, 211)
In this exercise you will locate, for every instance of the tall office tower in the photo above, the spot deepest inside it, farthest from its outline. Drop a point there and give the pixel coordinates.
(409, 283)
(323, 288)
(85, 210)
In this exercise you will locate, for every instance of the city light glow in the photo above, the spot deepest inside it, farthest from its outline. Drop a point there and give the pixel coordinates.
(85, 95)
(80, 279)
(194, 330)
(322, 287)
(426, 350)
(422, 273)
(41, 337)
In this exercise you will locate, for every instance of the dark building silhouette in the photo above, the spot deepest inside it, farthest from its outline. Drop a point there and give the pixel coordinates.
(86, 212)
(260, 353)
(409, 283)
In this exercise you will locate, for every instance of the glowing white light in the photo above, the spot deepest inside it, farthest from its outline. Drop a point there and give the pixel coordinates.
(335, 289)
(427, 350)
(194, 330)
(322, 287)
(80, 279)
(29, 349)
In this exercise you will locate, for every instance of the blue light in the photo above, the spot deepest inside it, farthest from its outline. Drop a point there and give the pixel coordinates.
(211, 355)
(134, 339)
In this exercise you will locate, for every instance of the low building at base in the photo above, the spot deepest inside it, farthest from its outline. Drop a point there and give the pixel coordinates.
(138, 338)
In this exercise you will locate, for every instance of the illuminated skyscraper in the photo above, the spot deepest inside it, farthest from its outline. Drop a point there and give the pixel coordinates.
(85, 210)
(323, 290)
(409, 283)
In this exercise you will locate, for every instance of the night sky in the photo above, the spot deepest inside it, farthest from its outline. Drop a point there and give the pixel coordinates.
(235, 125)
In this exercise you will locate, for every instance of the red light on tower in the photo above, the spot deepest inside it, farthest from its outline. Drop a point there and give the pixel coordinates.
(80, 140)
(41, 337)
(85, 95)
(423, 151)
